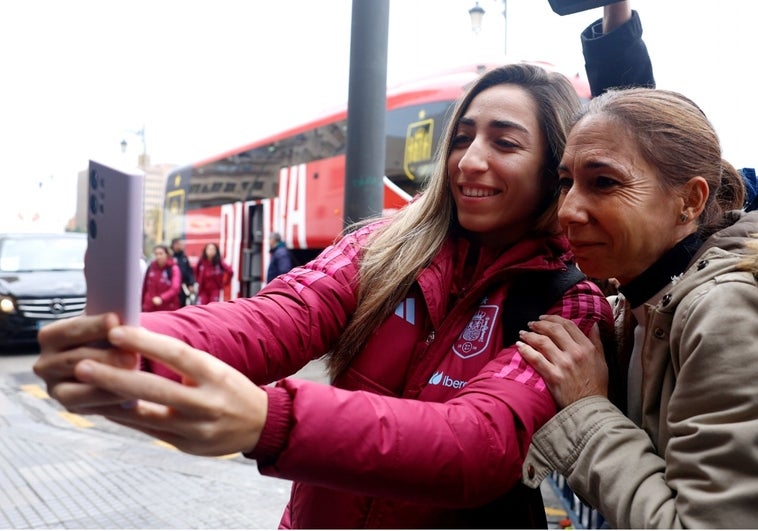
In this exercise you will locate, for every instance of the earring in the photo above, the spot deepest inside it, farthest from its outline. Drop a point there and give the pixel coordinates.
(683, 217)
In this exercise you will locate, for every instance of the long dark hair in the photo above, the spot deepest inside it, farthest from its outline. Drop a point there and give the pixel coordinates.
(216, 260)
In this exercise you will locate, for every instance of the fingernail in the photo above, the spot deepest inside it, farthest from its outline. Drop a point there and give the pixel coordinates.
(126, 360)
(84, 369)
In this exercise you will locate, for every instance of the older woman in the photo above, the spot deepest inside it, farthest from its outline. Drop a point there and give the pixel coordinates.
(645, 199)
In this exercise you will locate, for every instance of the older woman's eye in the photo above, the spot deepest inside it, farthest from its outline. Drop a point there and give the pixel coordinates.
(565, 183)
(605, 182)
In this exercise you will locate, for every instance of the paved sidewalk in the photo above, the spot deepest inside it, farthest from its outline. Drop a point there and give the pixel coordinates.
(71, 477)
(57, 472)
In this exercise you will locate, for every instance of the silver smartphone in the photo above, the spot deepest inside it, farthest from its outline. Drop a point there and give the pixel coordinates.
(114, 241)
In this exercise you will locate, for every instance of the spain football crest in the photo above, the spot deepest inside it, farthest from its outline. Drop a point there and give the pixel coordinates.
(476, 337)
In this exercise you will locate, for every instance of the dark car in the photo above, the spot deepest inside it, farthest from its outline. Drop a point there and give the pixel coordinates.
(41, 280)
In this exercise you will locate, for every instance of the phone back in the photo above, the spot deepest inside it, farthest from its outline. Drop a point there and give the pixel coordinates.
(114, 242)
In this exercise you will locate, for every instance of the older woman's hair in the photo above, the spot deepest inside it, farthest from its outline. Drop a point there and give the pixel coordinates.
(675, 136)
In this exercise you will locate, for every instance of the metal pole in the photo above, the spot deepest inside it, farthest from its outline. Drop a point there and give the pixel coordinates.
(505, 27)
(366, 111)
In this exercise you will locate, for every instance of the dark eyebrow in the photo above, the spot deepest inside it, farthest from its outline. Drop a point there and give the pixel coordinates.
(507, 124)
(592, 165)
(496, 124)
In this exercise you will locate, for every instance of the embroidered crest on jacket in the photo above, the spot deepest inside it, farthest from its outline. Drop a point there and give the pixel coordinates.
(476, 337)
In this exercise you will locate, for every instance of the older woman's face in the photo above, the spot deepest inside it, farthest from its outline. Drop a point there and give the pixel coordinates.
(617, 216)
(495, 165)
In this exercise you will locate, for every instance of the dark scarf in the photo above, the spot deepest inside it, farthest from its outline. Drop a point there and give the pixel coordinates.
(658, 275)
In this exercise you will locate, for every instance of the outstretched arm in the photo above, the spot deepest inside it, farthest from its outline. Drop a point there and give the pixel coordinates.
(615, 15)
(614, 53)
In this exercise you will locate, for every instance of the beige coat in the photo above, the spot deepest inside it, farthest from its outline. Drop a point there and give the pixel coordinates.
(694, 463)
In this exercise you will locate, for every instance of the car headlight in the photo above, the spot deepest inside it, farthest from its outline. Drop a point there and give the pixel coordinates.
(7, 304)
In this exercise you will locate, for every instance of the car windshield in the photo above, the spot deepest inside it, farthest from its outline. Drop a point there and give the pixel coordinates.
(44, 253)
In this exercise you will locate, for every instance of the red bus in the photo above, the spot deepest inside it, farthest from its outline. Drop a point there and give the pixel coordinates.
(292, 182)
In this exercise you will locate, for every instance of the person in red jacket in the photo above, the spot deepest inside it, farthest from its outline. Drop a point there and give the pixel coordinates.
(212, 275)
(161, 283)
(430, 408)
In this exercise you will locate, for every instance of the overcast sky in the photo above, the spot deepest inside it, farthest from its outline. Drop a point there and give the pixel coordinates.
(202, 77)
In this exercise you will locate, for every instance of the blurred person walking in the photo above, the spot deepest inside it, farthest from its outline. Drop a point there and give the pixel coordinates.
(281, 259)
(162, 282)
(212, 275)
(187, 290)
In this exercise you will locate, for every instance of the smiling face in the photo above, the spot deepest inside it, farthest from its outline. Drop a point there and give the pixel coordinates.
(495, 165)
(617, 216)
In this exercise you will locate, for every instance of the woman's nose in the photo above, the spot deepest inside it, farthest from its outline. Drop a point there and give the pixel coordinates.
(572, 208)
(474, 159)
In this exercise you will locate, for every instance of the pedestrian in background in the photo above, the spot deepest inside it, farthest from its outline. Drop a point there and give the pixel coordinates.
(188, 275)
(280, 260)
(162, 282)
(212, 275)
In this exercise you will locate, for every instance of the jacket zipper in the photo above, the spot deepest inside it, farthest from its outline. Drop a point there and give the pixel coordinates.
(430, 338)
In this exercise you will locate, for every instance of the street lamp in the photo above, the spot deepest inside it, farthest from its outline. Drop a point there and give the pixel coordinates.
(142, 159)
(476, 13)
(505, 26)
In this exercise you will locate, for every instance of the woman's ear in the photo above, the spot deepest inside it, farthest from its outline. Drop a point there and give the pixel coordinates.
(695, 195)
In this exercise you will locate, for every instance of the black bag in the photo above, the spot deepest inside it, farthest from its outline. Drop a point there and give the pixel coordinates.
(532, 295)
